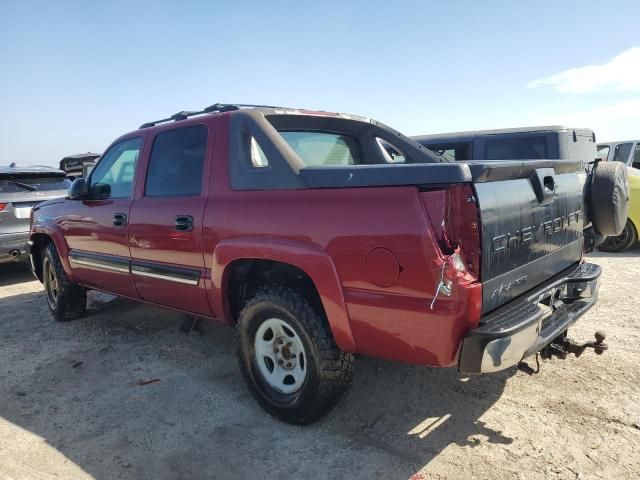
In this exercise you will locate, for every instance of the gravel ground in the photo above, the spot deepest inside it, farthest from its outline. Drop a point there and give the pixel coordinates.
(71, 405)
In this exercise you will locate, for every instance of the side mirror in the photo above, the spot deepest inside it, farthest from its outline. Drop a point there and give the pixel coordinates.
(100, 191)
(78, 189)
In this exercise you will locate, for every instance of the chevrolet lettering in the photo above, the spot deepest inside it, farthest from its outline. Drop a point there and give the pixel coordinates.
(533, 233)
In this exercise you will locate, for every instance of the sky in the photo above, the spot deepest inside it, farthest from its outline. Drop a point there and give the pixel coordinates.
(76, 75)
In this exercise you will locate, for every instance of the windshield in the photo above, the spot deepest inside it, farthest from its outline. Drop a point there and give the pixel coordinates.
(18, 184)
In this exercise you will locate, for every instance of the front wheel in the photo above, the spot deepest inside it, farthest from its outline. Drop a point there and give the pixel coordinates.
(289, 357)
(67, 300)
(621, 242)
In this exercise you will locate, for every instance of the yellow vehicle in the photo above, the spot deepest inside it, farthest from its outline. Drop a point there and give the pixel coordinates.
(629, 235)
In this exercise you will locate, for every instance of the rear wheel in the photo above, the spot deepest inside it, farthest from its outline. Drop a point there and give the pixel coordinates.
(67, 300)
(622, 242)
(289, 357)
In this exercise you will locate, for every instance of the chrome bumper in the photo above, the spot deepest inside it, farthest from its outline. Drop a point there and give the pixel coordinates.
(524, 327)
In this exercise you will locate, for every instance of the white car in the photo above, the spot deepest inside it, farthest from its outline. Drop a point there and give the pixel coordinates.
(627, 152)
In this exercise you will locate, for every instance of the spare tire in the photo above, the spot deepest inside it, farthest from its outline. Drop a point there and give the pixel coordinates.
(609, 198)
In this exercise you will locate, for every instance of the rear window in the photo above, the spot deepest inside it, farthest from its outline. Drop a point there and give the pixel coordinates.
(19, 184)
(516, 148)
(323, 148)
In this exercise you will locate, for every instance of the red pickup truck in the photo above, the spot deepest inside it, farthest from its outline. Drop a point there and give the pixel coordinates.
(320, 236)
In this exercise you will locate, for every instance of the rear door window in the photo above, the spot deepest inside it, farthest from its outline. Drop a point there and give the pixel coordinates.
(176, 163)
(112, 177)
(516, 148)
(323, 148)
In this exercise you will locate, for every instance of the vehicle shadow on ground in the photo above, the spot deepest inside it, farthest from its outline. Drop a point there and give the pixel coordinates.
(12, 273)
(77, 386)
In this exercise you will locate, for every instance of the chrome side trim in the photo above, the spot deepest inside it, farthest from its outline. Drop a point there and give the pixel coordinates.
(170, 273)
(169, 278)
(102, 266)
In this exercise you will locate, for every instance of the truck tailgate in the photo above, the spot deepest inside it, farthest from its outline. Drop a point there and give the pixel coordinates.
(532, 220)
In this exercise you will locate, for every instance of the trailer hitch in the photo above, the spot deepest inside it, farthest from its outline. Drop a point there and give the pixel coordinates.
(562, 347)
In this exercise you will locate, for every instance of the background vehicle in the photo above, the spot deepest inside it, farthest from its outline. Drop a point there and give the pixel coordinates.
(302, 231)
(20, 190)
(527, 143)
(627, 152)
(629, 235)
(77, 166)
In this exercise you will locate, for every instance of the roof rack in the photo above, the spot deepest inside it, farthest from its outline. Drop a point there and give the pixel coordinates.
(215, 108)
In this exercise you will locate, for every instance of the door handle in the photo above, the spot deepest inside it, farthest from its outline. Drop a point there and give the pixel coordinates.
(119, 220)
(184, 223)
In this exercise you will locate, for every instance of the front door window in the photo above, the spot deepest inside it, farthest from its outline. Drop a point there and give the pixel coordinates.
(112, 177)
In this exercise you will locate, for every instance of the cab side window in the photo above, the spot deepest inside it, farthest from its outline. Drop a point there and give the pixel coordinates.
(452, 151)
(621, 152)
(112, 177)
(176, 163)
(390, 152)
(516, 148)
(636, 157)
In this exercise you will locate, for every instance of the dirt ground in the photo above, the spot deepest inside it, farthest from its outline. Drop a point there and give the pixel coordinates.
(71, 405)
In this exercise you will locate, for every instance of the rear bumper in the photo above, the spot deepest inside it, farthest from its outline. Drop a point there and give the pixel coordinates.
(524, 326)
(13, 246)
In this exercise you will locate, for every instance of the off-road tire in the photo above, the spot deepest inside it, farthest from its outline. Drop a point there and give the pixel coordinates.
(622, 242)
(329, 370)
(70, 299)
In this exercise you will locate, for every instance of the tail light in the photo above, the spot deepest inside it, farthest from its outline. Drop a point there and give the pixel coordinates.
(2, 205)
(454, 219)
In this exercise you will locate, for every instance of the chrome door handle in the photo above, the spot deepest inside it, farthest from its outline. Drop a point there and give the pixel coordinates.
(184, 223)
(119, 220)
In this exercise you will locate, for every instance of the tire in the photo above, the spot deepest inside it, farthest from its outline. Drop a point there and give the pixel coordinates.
(609, 198)
(67, 300)
(622, 242)
(319, 372)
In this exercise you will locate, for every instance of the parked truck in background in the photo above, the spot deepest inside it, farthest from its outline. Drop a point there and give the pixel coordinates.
(627, 152)
(524, 143)
(301, 231)
(79, 165)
